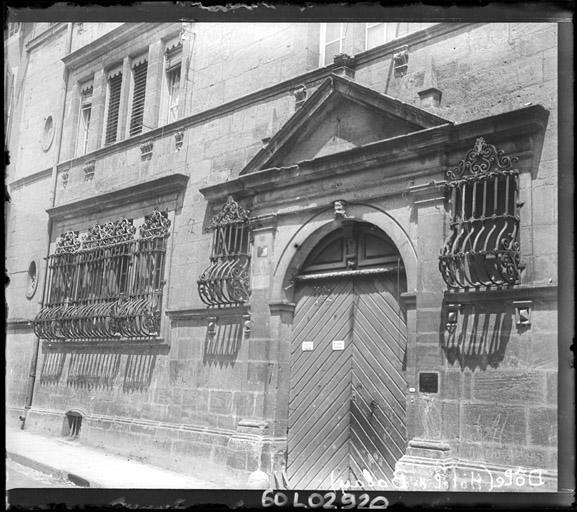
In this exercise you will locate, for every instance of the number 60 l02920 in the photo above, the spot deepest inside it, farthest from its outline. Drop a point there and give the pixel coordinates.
(272, 498)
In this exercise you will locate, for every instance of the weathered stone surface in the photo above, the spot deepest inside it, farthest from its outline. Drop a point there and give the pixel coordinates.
(543, 426)
(509, 387)
(220, 401)
(494, 423)
(482, 70)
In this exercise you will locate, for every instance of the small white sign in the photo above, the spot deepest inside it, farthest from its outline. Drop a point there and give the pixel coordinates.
(338, 344)
(307, 345)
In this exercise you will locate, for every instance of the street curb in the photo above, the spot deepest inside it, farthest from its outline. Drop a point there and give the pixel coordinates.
(50, 470)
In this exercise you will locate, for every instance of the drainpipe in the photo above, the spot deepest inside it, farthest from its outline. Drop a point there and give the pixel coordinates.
(52, 201)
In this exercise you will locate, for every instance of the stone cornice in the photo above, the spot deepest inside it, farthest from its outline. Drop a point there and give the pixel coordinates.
(427, 193)
(41, 38)
(409, 40)
(308, 79)
(120, 35)
(31, 178)
(205, 313)
(442, 140)
(536, 293)
(146, 191)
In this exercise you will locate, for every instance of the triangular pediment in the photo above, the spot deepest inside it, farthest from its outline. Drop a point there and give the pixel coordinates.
(340, 116)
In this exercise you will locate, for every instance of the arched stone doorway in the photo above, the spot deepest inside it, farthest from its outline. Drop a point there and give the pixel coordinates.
(347, 407)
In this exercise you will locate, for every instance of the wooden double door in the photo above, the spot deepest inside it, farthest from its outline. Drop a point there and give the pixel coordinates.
(347, 408)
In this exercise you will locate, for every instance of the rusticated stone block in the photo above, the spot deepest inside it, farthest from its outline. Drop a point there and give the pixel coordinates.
(450, 386)
(225, 422)
(429, 321)
(429, 357)
(142, 429)
(259, 348)
(451, 422)
(551, 378)
(543, 426)
(236, 459)
(220, 401)
(544, 353)
(257, 374)
(509, 387)
(493, 423)
(243, 404)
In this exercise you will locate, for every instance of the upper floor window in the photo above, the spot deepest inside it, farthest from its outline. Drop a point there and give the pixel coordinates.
(381, 33)
(172, 83)
(106, 283)
(84, 118)
(482, 249)
(139, 72)
(332, 42)
(113, 106)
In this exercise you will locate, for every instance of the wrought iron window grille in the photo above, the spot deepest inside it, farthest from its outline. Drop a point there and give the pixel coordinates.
(482, 249)
(107, 283)
(226, 282)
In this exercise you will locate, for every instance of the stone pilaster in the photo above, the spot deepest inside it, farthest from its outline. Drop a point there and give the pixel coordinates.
(71, 124)
(427, 449)
(123, 110)
(97, 114)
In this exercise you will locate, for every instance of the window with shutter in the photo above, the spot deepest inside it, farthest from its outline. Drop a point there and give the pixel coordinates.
(84, 118)
(114, 86)
(138, 96)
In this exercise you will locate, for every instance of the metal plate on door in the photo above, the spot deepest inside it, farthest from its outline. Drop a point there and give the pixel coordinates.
(338, 344)
(307, 346)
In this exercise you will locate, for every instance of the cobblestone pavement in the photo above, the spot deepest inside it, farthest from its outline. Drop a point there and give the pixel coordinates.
(19, 476)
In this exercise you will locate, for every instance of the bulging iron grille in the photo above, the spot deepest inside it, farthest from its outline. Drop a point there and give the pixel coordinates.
(107, 283)
(226, 281)
(482, 249)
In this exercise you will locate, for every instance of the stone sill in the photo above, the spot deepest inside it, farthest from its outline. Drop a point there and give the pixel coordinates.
(205, 313)
(120, 346)
(523, 292)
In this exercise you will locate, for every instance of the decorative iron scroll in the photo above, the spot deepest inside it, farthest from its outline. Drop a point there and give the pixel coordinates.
(482, 248)
(226, 282)
(106, 284)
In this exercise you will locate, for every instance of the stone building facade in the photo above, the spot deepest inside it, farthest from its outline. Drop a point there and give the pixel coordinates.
(327, 252)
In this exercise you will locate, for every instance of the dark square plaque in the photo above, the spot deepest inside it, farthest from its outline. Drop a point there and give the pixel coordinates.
(428, 382)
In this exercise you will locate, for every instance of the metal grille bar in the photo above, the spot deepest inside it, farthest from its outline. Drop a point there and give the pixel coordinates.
(106, 285)
(226, 282)
(482, 249)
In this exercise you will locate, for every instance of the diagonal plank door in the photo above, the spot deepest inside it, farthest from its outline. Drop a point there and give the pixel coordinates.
(378, 406)
(319, 396)
(347, 407)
